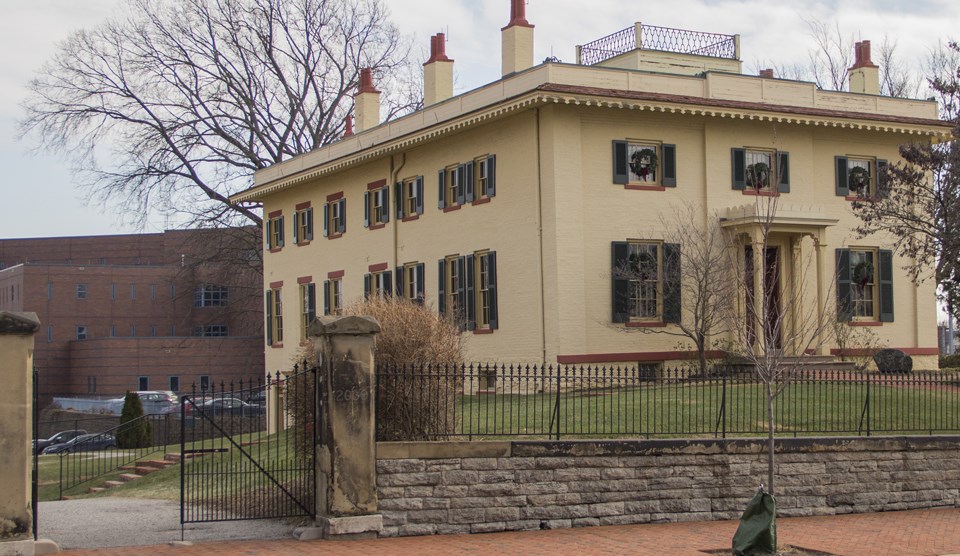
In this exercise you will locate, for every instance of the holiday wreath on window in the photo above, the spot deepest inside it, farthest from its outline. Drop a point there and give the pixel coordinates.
(643, 162)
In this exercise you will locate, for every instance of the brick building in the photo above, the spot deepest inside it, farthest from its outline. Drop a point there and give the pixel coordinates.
(147, 311)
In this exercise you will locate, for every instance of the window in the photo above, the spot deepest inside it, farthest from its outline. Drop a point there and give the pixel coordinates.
(860, 177)
(377, 282)
(865, 285)
(113, 331)
(133, 291)
(81, 291)
(333, 296)
(143, 383)
(646, 282)
(91, 384)
(81, 332)
(757, 170)
(174, 383)
(49, 333)
(484, 179)
(644, 165)
(274, 231)
(153, 292)
(409, 278)
(303, 224)
(409, 198)
(308, 307)
(451, 190)
(171, 330)
(274, 314)
(204, 382)
(173, 292)
(153, 330)
(468, 290)
(210, 295)
(133, 331)
(376, 205)
(335, 216)
(210, 331)
(113, 292)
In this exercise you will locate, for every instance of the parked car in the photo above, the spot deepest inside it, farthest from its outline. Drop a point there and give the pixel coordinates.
(231, 406)
(258, 397)
(60, 438)
(154, 401)
(84, 443)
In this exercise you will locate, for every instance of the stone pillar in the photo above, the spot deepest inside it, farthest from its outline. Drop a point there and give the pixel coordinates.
(16, 428)
(347, 503)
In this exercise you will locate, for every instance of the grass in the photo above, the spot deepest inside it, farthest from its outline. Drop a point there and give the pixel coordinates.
(697, 409)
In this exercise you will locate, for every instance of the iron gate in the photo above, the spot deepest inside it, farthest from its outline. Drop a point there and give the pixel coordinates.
(248, 452)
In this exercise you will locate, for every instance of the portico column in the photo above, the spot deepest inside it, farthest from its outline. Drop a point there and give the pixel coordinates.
(819, 245)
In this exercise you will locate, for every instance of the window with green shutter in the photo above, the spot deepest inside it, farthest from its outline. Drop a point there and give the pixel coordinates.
(646, 282)
(644, 165)
(865, 285)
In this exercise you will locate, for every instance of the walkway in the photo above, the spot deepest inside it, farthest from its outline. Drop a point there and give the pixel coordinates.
(911, 533)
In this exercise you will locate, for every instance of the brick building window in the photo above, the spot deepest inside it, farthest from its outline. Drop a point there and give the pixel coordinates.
(91, 384)
(210, 331)
(81, 291)
(143, 383)
(210, 295)
(81, 332)
(174, 383)
(204, 382)
(133, 291)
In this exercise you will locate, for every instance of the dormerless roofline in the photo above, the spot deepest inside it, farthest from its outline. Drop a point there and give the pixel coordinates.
(539, 86)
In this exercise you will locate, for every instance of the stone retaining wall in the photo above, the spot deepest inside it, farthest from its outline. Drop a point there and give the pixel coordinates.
(473, 487)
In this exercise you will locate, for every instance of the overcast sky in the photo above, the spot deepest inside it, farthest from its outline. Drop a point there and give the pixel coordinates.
(40, 197)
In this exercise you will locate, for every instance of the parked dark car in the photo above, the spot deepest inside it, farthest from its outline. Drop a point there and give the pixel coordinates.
(231, 406)
(84, 443)
(59, 438)
(258, 397)
(153, 401)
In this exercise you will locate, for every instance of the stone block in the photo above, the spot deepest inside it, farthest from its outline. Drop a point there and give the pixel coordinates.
(642, 507)
(460, 477)
(586, 522)
(470, 502)
(556, 524)
(543, 488)
(394, 519)
(409, 479)
(450, 491)
(390, 492)
(479, 463)
(387, 466)
(401, 504)
(493, 489)
(516, 463)
(452, 529)
(436, 503)
(418, 491)
(496, 476)
(466, 515)
(535, 476)
(611, 508)
(502, 514)
(617, 473)
(629, 519)
(556, 463)
(427, 516)
(417, 529)
(494, 527)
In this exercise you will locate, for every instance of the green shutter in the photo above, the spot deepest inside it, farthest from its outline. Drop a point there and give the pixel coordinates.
(461, 292)
(418, 186)
(343, 215)
(843, 188)
(326, 220)
(883, 180)
(671, 282)
(268, 311)
(326, 297)
(419, 269)
(620, 172)
(461, 183)
(492, 272)
(398, 278)
(398, 199)
(442, 280)
(296, 231)
(621, 285)
(783, 172)
(886, 285)
(843, 285)
(280, 234)
(367, 285)
(470, 314)
(366, 209)
(468, 173)
(738, 165)
(384, 204)
(441, 189)
(268, 234)
(309, 216)
(491, 176)
(669, 166)
(311, 302)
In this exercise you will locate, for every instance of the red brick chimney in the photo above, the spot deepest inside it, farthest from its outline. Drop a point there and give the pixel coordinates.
(864, 76)
(366, 103)
(437, 72)
(766, 73)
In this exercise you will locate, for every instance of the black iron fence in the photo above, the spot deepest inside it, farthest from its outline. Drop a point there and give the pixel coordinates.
(480, 401)
(666, 39)
(241, 462)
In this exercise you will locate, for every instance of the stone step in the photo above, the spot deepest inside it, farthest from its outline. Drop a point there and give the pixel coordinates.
(67, 497)
(126, 477)
(111, 484)
(145, 470)
(172, 457)
(156, 463)
(127, 467)
(93, 490)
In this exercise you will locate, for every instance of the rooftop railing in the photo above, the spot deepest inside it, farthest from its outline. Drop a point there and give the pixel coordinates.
(649, 37)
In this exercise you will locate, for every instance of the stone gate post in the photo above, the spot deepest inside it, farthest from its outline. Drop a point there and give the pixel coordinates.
(16, 427)
(347, 453)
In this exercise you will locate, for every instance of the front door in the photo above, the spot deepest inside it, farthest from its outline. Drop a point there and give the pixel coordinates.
(771, 317)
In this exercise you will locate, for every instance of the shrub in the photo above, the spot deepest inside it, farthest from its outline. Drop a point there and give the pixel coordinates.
(950, 361)
(133, 431)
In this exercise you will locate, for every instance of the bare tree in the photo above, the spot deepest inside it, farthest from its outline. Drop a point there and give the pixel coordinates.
(774, 322)
(699, 267)
(896, 79)
(918, 201)
(831, 58)
(185, 99)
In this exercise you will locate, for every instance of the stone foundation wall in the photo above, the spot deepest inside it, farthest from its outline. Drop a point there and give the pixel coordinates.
(474, 487)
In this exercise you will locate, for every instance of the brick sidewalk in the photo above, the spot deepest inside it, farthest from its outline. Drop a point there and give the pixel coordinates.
(910, 533)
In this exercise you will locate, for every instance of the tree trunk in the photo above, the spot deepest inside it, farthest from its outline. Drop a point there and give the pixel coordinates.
(770, 436)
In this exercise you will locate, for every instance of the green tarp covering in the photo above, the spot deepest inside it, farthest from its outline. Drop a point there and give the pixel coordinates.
(757, 533)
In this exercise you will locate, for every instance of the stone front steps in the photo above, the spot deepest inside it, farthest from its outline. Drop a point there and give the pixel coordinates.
(137, 470)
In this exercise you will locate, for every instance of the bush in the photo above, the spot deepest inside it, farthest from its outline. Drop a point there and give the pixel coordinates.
(950, 361)
(416, 344)
(134, 432)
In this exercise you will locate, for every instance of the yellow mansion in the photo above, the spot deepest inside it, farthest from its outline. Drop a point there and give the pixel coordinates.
(513, 202)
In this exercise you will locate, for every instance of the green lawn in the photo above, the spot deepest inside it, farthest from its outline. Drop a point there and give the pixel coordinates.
(694, 409)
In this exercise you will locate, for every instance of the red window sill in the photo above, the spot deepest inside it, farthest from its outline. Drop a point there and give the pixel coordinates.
(452, 208)
(410, 218)
(276, 345)
(483, 331)
(864, 323)
(334, 236)
(761, 193)
(480, 201)
(303, 243)
(634, 187)
(376, 226)
(276, 249)
(646, 324)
